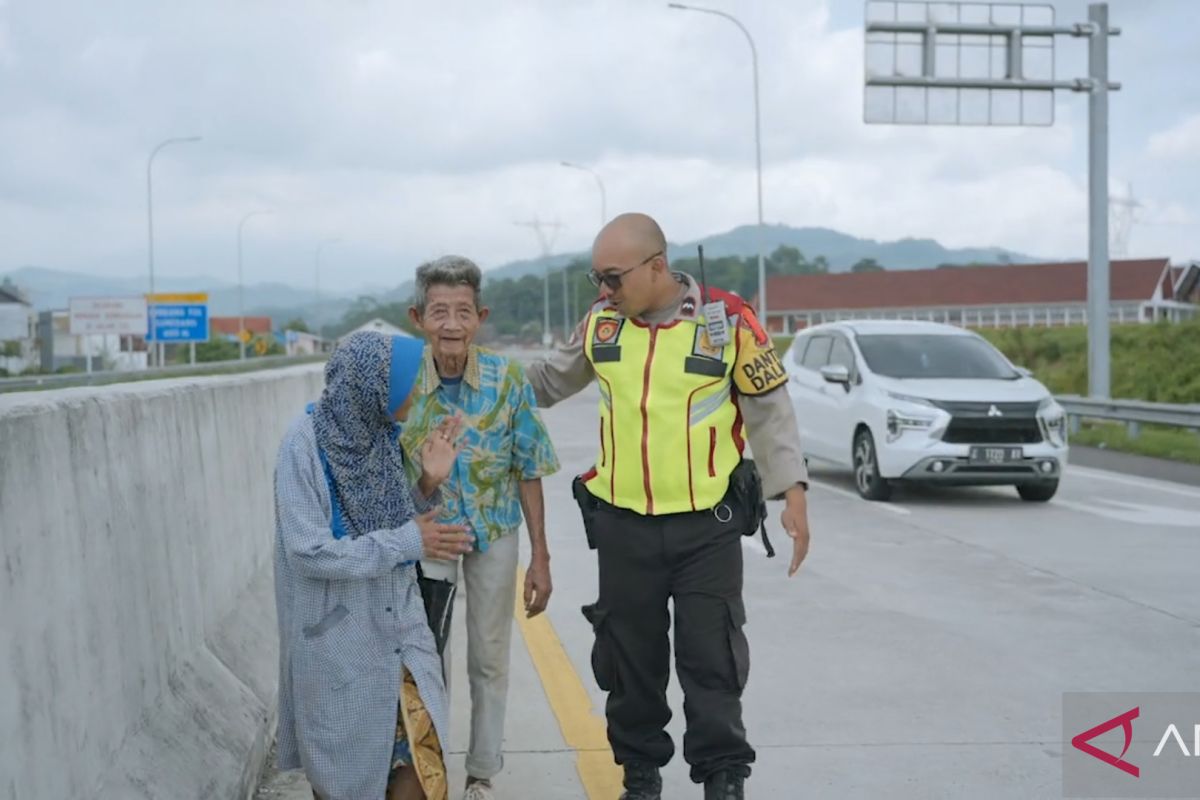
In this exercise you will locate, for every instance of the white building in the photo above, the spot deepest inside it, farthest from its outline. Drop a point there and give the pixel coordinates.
(18, 330)
(300, 343)
(1001, 296)
(61, 349)
(379, 326)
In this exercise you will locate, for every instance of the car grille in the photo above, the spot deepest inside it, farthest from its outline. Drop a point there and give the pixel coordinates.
(976, 423)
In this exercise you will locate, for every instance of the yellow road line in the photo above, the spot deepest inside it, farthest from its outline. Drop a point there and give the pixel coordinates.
(583, 731)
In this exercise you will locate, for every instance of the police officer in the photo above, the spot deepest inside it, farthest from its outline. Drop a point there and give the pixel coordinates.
(674, 402)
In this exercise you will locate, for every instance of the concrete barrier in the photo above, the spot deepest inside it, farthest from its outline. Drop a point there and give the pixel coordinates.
(138, 651)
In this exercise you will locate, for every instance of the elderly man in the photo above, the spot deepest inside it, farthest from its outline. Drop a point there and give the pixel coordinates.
(505, 453)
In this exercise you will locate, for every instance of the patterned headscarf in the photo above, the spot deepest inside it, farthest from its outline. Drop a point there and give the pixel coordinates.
(368, 376)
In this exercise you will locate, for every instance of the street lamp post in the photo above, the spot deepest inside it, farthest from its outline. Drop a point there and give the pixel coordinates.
(603, 220)
(150, 231)
(317, 280)
(762, 270)
(547, 243)
(599, 185)
(241, 285)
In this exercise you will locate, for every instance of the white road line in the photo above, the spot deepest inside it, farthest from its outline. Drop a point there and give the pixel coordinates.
(1141, 514)
(901, 510)
(1141, 483)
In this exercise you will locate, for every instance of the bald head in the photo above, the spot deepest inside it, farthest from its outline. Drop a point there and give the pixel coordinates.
(632, 232)
(630, 253)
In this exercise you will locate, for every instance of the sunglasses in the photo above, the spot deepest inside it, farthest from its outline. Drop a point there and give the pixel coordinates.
(612, 280)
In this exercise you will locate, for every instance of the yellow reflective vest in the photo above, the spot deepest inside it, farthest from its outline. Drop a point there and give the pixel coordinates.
(670, 430)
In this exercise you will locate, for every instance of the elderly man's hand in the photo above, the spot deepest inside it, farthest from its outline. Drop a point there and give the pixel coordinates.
(439, 451)
(537, 585)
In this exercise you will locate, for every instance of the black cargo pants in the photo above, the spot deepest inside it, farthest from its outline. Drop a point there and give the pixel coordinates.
(694, 560)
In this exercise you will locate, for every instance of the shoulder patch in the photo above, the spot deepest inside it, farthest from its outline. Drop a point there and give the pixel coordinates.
(760, 372)
(607, 330)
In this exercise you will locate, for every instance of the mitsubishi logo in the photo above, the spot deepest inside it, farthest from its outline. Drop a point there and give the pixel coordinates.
(995, 412)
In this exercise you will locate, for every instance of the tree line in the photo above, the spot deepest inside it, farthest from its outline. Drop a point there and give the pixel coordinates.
(517, 304)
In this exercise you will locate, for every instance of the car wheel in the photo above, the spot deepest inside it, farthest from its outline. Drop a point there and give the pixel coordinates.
(1038, 492)
(866, 469)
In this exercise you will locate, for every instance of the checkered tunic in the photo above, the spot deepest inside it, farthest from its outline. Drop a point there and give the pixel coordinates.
(350, 614)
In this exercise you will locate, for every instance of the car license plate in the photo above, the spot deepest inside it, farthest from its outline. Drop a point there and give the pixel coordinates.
(996, 455)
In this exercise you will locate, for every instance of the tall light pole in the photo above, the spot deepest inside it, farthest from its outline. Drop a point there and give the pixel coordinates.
(317, 280)
(762, 270)
(603, 219)
(547, 243)
(1099, 278)
(241, 285)
(599, 185)
(150, 228)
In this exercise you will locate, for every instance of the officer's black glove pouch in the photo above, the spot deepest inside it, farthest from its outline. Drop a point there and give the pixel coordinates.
(746, 492)
(587, 507)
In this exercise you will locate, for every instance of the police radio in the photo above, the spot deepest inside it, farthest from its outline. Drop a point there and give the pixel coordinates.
(715, 321)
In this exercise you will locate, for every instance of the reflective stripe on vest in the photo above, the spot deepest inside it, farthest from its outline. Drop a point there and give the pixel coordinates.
(670, 431)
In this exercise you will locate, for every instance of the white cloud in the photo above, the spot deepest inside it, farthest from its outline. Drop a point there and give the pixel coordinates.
(1179, 142)
(410, 129)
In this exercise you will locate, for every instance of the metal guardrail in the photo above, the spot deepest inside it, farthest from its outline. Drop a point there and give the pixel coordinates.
(104, 377)
(1134, 413)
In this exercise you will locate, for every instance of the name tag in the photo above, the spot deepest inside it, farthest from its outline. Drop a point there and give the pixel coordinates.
(606, 352)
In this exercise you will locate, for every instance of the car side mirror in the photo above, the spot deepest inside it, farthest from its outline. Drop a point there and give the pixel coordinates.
(1025, 372)
(836, 373)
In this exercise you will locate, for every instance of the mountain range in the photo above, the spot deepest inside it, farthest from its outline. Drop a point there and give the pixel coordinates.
(841, 250)
(49, 288)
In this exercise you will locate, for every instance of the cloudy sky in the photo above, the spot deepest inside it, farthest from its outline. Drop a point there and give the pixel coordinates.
(410, 129)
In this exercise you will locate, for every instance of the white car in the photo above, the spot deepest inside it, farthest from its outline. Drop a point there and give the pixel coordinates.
(923, 402)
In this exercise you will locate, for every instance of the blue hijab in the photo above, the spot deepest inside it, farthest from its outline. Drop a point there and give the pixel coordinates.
(368, 376)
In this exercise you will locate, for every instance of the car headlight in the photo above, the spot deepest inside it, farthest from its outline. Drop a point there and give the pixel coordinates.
(900, 421)
(1054, 421)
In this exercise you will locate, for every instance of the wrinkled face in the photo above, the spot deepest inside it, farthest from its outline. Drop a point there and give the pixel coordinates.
(451, 319)
(629, 277)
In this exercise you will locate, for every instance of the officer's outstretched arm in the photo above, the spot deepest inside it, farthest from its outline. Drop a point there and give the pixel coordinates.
(563, 373)
(759, 380)
(775, 440)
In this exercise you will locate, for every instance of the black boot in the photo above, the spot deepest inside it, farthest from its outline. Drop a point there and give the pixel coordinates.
(642, 782)
(728, 784)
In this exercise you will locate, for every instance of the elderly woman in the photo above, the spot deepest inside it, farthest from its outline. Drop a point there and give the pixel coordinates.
(362, 703)
(498, 476)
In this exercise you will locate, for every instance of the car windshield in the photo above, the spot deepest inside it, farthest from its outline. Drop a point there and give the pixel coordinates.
(933, 356)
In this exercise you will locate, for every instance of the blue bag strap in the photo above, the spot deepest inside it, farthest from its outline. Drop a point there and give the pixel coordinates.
(336, 524)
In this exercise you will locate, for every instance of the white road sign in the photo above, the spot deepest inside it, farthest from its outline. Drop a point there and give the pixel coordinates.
(113, 316)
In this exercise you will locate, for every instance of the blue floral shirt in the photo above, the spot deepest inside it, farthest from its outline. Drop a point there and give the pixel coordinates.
(506, 441)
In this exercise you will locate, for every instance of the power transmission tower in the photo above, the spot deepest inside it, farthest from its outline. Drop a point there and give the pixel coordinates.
(1123, 212)
(546, 240)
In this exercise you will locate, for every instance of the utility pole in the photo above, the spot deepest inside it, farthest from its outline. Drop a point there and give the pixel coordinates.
(546, 240)
(157, 346)
(896, 95)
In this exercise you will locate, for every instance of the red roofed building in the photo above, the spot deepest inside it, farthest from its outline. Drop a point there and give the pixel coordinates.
(219, 327)
(985, 297)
